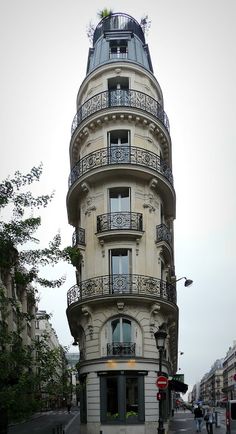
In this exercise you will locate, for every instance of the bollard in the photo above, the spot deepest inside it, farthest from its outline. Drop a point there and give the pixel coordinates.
(217, 419)
(58, 430)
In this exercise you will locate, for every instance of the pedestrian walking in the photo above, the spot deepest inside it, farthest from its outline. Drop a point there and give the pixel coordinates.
(209, 418)
(68, 407)
(198, 417)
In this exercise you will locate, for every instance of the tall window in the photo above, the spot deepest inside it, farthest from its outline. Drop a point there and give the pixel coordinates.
(119, 199)
(122, 398)
(118, 91)
(120, 270)
(121, 330)
(119, 146)
(118, 49)
(121, 338)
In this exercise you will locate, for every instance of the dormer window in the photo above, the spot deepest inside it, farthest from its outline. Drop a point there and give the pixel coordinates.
(118, 49)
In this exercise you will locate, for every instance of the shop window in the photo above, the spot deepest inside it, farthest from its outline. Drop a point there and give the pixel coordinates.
(122, 398)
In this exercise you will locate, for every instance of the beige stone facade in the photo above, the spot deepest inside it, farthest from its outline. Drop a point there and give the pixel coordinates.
(121, 202)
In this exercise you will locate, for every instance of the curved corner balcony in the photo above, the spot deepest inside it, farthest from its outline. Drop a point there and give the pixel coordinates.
(163, 234)
(118, 155)
(78, 237)
(119, 221)
(122, 285)
(123, 99)
(118, 21)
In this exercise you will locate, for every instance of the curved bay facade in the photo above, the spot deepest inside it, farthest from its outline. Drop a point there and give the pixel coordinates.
(121, 203)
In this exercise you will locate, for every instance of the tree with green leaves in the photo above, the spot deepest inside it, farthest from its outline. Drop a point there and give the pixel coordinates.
(25, 367)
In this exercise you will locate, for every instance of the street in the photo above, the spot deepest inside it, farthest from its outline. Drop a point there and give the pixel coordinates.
(43, 423)
(183, 421)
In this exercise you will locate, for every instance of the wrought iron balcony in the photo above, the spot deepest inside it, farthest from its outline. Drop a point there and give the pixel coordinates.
(78, 237)
(120, 98)
(122, 220)
(122, 285)
(117, 155)
(121, 349)
(118, 21)
(163, 234)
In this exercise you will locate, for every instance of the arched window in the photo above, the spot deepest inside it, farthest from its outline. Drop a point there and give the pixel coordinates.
(121, 330)
(121, 340)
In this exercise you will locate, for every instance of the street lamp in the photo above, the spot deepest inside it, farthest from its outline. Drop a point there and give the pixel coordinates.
(187, 282)
(160, 336)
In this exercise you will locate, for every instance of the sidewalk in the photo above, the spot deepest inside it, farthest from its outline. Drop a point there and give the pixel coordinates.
(184, 422)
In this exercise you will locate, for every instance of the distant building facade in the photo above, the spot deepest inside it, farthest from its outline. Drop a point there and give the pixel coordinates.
(73, 359)
(211, 385)
(229, 373)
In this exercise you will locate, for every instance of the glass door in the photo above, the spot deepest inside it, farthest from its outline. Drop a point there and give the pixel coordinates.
(119, 146)
(120, 269)
(119, 206)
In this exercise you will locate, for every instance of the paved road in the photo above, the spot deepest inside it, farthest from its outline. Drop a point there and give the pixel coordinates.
(43, 423)
(183, 422)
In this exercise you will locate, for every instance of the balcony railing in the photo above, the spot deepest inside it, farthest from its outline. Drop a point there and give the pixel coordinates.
(121, 349)
(117, 155)
(122, 220)
(78, 237)
(122, 284)
(118, 21)
(163, 234)
(120, 98)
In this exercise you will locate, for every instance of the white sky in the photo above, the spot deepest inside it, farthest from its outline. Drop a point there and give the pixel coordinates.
(44, 50)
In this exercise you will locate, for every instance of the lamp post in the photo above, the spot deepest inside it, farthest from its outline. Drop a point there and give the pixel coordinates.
(160, 337)
(187, 282)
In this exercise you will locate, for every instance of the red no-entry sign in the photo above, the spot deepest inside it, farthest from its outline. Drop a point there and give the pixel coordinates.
(162, 382)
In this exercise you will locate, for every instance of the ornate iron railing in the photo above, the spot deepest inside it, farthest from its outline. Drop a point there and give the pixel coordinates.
(121, 349)
(120, 98)
(118, 21)
(122, 220)
(163, 234)
(117, 155)
(78, 237)
(122, 284)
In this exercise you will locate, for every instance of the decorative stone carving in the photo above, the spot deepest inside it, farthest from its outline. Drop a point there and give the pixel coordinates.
(89, 205)
(120, 306)
(87, 312)
(150, 202)
(155, 310)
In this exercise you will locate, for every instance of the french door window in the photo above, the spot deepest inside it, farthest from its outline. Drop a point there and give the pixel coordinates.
(118, 49)
(121, 338)
(119, 199)
(120, 270)
(119, 146)
(118, 91)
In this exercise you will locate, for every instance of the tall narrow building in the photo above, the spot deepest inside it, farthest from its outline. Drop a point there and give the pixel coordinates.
(121, 202)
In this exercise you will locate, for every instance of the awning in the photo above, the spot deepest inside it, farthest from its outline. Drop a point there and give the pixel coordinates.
(178, 386)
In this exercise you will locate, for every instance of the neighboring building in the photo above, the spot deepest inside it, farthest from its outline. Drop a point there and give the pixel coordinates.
(195, 396)
(211, 384)
(51, 397)
(229, 373)
(42, 326)
(73, 359)
(21, 295)
(121, 201)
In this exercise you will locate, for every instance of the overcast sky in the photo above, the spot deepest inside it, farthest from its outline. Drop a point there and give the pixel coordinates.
(44, 49)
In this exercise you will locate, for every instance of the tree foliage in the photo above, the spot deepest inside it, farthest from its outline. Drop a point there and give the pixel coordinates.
(25, 369)
(19, 231)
